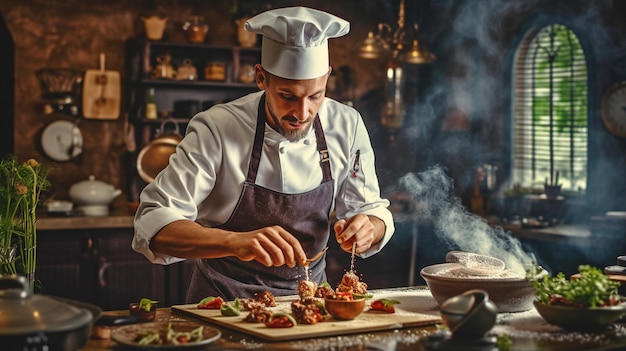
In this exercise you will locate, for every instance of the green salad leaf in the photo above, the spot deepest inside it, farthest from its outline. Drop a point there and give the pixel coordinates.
(592, 288)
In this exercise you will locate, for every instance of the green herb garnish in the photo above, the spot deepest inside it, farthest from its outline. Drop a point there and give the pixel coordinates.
(592, 288)
(504, 343)
(146, 304)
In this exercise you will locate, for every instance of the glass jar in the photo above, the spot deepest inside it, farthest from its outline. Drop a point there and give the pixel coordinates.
(215, 71)
(195, 29)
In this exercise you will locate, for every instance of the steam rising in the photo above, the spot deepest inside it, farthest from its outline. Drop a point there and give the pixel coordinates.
(462, 230)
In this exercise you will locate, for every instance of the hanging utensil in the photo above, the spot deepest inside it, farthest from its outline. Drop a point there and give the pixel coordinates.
(155, 156)
(76, 149)
(62, 140)
(316, 257)
(101, 92)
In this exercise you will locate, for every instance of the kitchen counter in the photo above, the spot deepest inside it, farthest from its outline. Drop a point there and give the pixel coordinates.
(526, 330)
(562, 232)
(112, 221)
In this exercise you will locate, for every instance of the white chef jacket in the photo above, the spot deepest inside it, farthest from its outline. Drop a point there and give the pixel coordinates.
(205, 175)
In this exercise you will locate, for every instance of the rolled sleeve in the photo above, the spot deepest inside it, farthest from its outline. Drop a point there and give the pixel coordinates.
(146, 227)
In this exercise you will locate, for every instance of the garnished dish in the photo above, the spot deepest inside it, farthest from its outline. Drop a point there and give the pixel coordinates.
(343, 305)
(592, 289)
(258, 306)
(309, 310)
(307, 288)
(351, 283)
(165, 335)
(588, 301)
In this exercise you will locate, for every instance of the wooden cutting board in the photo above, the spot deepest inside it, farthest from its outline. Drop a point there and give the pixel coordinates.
(417, 308)
(101, 93)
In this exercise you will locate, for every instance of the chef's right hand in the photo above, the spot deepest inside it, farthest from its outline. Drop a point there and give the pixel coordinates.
(270, 246)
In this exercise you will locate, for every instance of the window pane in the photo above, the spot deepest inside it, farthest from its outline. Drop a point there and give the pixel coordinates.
(549, 130)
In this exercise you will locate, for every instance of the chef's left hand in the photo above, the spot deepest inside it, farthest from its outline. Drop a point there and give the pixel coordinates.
(362, 229)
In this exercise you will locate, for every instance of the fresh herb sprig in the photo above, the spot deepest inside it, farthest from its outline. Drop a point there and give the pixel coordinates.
(592, 288)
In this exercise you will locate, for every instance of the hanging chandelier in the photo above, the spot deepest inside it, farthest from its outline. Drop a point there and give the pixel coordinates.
(396, 44)
(397, 48)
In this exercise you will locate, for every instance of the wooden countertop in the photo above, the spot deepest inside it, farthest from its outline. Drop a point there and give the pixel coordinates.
(526, 330)
(112, 221)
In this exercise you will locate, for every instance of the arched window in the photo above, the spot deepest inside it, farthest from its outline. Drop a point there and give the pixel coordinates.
(549, 126)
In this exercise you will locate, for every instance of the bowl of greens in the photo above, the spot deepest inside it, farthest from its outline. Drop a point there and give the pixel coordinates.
(589, 301)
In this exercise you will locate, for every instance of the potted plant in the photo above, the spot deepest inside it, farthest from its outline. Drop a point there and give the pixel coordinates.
(552, 188)
(21, 185)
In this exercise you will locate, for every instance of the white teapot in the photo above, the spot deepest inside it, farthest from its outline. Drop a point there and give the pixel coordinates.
(93, 197)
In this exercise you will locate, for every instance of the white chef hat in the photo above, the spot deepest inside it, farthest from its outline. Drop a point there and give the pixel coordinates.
(295, 40)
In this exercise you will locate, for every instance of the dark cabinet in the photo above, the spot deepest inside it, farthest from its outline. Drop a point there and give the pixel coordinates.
(65, 265)
(7, 87)
(98, 266)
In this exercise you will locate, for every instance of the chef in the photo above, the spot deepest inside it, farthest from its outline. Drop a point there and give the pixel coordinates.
(253, 187)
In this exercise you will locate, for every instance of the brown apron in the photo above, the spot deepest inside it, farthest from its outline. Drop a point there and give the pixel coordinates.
(305, 215)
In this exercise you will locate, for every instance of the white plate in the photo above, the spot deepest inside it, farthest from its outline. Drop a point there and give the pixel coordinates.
(62, 140)
(127, 335)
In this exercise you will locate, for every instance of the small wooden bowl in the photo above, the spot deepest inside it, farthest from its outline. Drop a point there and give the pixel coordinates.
(344, 310)
(142, 315)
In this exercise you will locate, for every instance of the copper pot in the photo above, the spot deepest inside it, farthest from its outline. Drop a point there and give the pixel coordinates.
(155, 156)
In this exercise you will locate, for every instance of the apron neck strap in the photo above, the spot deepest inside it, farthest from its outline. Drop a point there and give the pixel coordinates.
(257, 148)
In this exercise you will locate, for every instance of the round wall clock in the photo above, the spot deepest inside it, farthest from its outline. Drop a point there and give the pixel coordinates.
(614, 109)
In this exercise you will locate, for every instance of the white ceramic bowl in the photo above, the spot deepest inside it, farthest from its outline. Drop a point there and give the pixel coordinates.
(93, 192)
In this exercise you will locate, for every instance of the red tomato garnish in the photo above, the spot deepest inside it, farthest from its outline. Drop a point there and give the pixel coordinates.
(384, 305)
(345, 296)
(211, 304)
(182, 339)
(279, 322)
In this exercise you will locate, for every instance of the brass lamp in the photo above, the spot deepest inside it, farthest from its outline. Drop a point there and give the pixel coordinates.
(416, 55)
(392, 46)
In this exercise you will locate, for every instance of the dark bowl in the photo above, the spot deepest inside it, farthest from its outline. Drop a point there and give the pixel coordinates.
(344, 310)
(469, 315)
(580, 318)
(509, 294)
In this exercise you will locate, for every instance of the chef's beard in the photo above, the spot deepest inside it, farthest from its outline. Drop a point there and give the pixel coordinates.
(293, 135)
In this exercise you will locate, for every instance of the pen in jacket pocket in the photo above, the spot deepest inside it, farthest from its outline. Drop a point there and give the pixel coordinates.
(356, 166)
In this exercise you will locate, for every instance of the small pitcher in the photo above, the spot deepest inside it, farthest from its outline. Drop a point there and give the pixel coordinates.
(196, 29)
(155, 26)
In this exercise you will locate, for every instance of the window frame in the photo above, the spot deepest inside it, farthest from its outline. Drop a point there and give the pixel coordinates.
(541, 150)
(534, 24)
